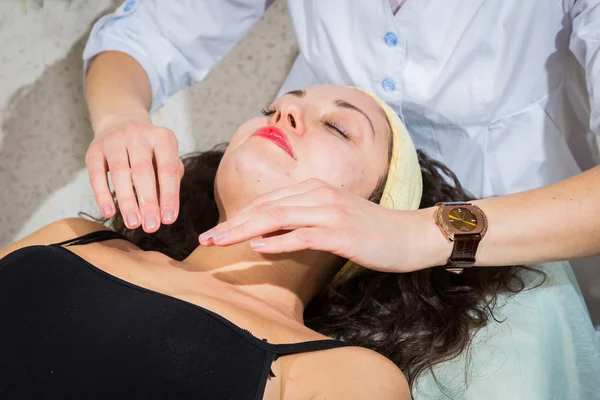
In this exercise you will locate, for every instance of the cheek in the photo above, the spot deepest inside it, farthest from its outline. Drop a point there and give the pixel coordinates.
(244, 131)
(339, 165)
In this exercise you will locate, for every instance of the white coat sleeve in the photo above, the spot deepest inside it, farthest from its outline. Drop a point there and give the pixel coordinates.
(176, 42)
(585, 45)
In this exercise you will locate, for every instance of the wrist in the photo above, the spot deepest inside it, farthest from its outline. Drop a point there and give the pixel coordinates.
(111, 122)
(497, 245)
(436, 248)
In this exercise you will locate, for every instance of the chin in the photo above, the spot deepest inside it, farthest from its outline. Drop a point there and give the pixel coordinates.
(247, 172)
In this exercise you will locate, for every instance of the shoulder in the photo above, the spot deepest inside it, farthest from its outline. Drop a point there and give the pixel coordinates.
(354, 373)
(365, 373)
(55, 232)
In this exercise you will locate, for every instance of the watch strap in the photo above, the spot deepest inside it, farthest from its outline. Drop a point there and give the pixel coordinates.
(463, 253)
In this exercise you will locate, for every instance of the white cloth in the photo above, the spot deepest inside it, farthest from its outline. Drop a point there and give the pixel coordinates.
(506, 93)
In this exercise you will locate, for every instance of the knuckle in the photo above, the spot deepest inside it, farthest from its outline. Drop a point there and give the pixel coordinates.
(264, 207)
(278, 213)
(169, 170)
(127, 202)
(169, 199)
(91, 160)
(96, 172)
(167, 135)
(148, 202)
(102, 194)
(241, 229)
(315, 182)
(110, 145)
(93, 150)
(304, 236)
(119, 166)
(142, 168)
(102, 199)
(259, 199)
(340, 214)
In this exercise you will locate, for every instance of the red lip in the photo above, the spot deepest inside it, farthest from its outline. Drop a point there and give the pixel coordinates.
(277, 136)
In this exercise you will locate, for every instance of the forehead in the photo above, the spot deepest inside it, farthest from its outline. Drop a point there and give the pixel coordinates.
(331, 93)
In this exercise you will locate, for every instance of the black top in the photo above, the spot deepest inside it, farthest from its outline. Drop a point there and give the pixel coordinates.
(69, 330)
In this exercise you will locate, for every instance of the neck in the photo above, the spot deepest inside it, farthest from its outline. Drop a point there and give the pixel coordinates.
(285, 283)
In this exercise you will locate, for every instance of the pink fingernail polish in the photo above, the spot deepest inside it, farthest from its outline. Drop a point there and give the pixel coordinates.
(257, 244)
(132, 219)
(151, 221)
(206, 236)
(106, 210)
(169, 215)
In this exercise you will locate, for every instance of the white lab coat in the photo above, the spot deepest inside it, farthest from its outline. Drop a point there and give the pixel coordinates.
(490, 88)
(506, 93)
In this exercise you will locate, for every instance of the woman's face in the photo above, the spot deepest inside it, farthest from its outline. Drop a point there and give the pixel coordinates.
(334, 133)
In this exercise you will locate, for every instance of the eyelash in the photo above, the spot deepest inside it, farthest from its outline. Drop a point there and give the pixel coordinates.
(337, 128)
(268, 111)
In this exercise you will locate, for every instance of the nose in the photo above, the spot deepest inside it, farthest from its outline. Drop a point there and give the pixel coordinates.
(290, 116)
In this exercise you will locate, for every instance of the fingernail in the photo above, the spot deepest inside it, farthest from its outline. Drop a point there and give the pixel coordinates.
(151, 221)
(206, 236)
(106, 210)
(132, 218)
(257, 244)
(219, 235)
(169, 215)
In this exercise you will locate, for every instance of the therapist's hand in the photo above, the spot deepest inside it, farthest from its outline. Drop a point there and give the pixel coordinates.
(145, 169)
(317, 216)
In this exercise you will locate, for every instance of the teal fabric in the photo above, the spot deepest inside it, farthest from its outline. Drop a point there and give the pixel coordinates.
(545, 348)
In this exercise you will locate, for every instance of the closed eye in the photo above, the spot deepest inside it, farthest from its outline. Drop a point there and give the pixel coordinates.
(333, 126)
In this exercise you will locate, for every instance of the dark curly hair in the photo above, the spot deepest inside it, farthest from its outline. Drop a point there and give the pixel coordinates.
(416, 319)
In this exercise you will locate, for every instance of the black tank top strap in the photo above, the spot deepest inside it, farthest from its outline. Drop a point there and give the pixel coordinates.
(315, 345)
(93, 237)
(278, 350)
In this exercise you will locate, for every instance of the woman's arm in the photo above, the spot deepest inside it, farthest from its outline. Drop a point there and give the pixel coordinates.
(118, 92)
(135, 59)
(552, 223)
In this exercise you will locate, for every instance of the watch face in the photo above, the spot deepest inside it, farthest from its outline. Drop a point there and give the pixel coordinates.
(462, 219)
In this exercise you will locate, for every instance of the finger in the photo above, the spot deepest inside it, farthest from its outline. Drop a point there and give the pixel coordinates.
(118, 166)
(170, 172)
(277, 219)
(98, 173)
(323, 239)
(313, 198)
(143, 175)
(300, 200)
(299, 188)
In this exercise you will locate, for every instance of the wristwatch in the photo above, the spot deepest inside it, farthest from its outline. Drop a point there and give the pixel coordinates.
(464, 224)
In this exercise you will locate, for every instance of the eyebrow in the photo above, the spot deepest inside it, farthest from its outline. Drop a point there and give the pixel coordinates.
(339, 103)
(345, 104)
(297, 93)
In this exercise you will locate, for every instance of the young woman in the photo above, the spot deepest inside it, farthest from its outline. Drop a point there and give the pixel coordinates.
(89, 312)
